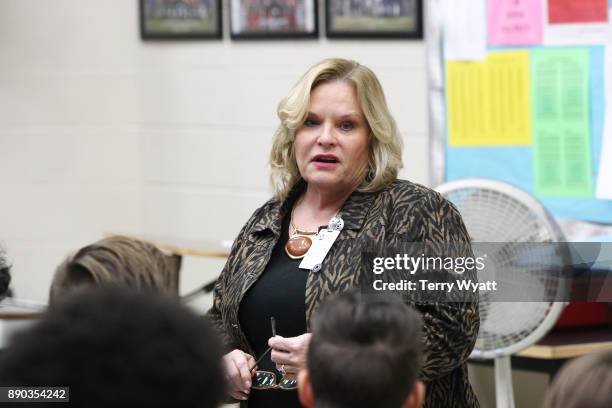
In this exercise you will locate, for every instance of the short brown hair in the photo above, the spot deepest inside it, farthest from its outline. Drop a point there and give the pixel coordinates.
(370, 345)
(116, 261)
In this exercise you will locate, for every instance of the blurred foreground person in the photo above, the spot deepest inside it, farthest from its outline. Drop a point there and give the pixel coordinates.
(364, 353)
(585, 382)
(5, 275)
(116, 261)
(116, 347)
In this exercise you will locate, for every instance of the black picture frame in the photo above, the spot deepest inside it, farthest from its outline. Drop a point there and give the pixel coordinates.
(180, 19)
(374, 19)
(273, 19)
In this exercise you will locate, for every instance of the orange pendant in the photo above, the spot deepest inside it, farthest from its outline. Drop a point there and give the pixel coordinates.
(297, 246)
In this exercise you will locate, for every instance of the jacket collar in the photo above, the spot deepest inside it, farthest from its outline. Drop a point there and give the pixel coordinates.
(353, 212)
(355, 209)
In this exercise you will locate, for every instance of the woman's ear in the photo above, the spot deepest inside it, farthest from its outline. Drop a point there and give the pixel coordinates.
(305, 389)
(417, 395)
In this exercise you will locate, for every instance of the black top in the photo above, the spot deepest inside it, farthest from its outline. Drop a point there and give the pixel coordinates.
(279, 292)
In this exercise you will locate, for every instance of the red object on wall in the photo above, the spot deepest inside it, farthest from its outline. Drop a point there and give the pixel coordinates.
(577, 11)
(584, 314)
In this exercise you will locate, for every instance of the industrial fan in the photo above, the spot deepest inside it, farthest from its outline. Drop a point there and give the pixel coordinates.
(497, 212)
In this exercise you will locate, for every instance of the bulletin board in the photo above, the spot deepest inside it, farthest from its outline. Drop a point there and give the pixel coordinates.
(522, 98)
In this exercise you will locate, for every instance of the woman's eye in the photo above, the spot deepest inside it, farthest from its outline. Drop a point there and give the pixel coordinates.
(310, 123)
(346, 126)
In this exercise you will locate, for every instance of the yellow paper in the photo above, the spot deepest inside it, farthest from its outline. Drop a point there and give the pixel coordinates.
(489, 101)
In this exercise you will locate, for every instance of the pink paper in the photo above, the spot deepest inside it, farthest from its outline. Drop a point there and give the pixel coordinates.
(515, 22)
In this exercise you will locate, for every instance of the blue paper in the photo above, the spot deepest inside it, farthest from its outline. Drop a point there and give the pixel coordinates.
(598, 103)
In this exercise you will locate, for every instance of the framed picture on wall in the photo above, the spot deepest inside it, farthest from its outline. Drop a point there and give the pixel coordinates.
(180, 19)
(273, 19)
(374, 18)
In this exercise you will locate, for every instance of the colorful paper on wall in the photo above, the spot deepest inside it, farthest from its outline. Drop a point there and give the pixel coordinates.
(562, 151)
(572, 33)
(597, 96)
(577, 11)
(465, 30)
(488, 101)
(576, 34)
(515, 22)
(514, 164)
(604, 178)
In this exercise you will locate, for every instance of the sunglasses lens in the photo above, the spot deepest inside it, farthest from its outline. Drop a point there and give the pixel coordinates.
(263, 379)
(288, 384)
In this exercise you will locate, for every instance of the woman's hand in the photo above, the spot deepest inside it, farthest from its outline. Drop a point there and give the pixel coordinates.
(237, 366)
(289, 354)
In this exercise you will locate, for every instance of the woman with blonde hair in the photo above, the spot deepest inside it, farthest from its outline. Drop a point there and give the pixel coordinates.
(334, 165)
(116, 261)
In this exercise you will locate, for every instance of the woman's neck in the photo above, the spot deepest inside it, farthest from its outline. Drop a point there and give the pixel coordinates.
(325, 201)
(317, 207)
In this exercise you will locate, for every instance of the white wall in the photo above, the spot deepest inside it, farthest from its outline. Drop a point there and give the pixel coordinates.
(100, 131)
(70, 141)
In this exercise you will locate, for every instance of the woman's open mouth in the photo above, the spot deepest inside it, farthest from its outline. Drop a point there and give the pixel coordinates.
(325, 161)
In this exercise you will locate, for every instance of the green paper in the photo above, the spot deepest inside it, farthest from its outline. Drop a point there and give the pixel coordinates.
(561, 129)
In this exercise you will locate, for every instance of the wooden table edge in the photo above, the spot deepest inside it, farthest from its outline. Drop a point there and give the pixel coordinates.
(174, 249)
(564, 351)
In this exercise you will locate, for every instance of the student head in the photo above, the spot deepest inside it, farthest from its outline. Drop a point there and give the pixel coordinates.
(117, 347)
(364, 352)
(115, 261)
(585, 382)
(5, 275)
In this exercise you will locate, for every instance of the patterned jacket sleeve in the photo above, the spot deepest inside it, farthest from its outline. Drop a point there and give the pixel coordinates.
(450, 328)
(215, 313)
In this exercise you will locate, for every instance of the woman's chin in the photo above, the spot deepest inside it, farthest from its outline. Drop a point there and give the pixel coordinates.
(326, 183)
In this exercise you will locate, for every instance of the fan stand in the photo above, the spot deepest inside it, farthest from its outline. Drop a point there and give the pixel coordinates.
(504, 397)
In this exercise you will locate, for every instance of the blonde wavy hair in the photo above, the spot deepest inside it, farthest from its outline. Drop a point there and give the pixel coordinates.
(385, 143)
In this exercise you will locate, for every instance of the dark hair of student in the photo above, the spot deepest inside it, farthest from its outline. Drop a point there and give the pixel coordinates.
(365, 351)
(117, 347)
(5, 274)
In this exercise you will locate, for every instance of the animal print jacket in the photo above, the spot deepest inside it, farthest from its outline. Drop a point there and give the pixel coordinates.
(403, 211)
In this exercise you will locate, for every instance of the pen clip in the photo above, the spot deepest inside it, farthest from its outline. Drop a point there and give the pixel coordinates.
(273, 324)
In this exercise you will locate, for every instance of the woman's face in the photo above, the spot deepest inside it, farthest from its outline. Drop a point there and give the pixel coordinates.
(331, 146)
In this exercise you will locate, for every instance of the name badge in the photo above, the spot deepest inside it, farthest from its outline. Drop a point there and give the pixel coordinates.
(321, 245)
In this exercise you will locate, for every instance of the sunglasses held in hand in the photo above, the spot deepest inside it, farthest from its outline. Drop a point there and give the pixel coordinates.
(266, 380)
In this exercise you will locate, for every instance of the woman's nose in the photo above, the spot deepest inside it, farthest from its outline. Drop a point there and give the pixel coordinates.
(326, 137)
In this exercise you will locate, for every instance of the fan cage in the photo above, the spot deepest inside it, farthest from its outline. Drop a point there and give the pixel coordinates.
(494, 211)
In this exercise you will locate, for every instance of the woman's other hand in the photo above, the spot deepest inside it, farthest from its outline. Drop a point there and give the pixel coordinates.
(237, 366)
(289, 354)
